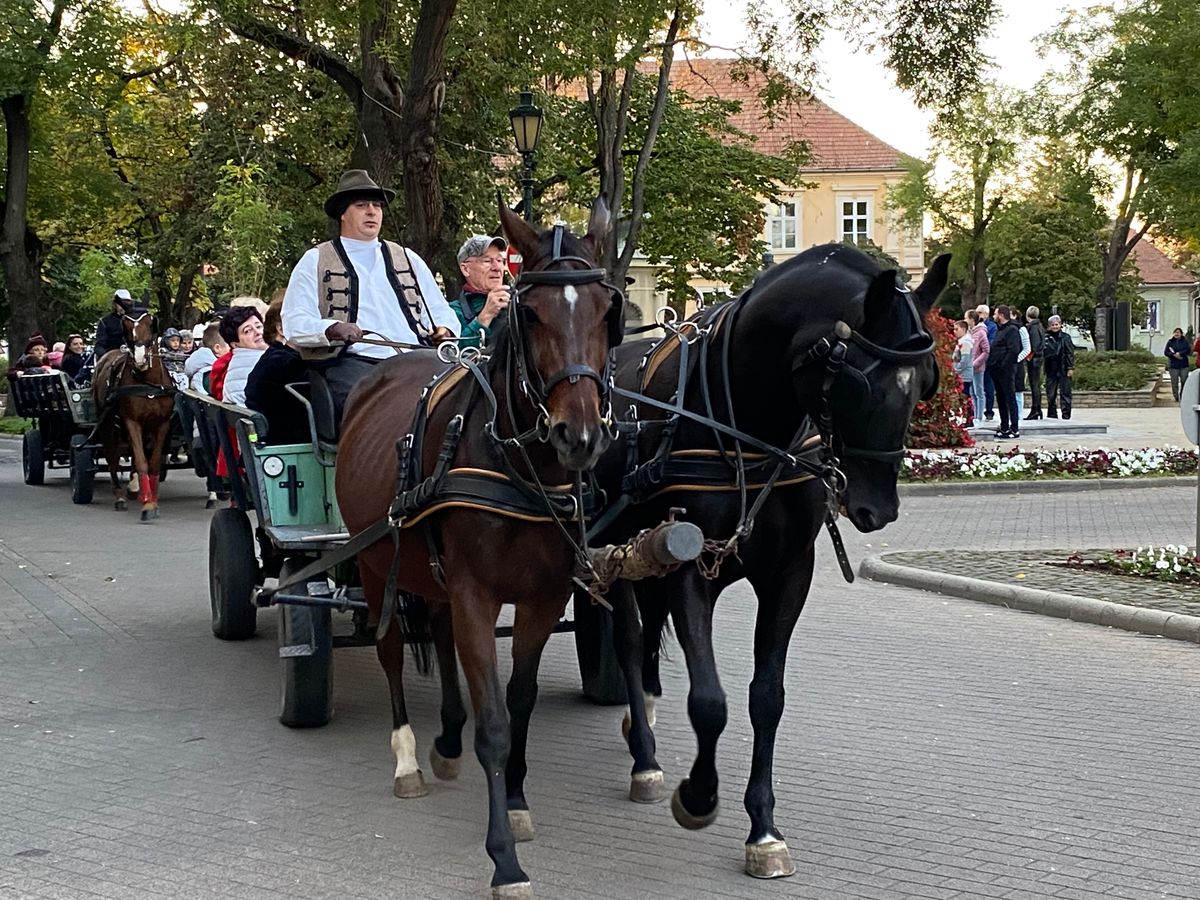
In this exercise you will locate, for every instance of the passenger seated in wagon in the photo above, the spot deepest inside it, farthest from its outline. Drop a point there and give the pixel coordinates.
(266, 388)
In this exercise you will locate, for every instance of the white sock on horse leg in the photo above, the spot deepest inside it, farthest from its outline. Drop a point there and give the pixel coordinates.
(404, 746)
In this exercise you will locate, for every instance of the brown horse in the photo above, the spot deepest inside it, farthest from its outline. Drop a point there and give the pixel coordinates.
(135, 397)
(546, 420)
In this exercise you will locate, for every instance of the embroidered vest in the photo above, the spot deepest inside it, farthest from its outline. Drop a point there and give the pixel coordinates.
(337, 290)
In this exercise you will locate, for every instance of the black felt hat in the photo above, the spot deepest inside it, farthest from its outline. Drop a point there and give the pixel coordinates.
(355, 184)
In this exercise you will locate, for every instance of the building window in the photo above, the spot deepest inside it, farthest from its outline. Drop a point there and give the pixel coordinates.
(1151, 316)
(783, 225)
(854, 219)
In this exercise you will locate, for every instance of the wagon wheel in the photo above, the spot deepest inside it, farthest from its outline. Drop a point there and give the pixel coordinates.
(33, 457)
(603, 681)
(305, 660)
(83, 470)
(232, 575)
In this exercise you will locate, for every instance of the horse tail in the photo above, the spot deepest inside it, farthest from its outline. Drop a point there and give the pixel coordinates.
(412, 614)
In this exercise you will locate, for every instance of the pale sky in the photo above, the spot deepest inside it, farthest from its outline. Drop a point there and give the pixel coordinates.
(860, 87)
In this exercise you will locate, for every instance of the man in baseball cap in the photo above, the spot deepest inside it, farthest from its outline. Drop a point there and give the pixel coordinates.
(484, 295)
(109, 333)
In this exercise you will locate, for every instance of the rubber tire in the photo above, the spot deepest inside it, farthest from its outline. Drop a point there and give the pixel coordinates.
(33, 457)
(232, 575)
(83, 471)
(306, 683)
(603, 680)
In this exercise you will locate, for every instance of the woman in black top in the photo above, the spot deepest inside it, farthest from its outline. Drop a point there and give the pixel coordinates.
(72, 358)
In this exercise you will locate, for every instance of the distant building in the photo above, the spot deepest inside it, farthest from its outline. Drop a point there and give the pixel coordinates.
(1172, 296)
(849, 174)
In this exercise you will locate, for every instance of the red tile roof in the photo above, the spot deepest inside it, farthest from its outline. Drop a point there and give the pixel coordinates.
(835, 143)
(1155, 267)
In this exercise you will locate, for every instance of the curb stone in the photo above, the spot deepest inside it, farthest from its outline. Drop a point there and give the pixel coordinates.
(1041, 486)
(1177, 626)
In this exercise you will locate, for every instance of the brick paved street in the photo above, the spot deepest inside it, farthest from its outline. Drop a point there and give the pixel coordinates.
(932, 747)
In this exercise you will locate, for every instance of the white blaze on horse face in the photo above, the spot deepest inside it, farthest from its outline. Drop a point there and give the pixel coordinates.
(404, 746)
(139, 354)
(904, 378)
(571, 296)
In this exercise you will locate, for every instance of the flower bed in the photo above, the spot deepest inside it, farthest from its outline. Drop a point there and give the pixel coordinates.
(1017, 464)
(1170, 563)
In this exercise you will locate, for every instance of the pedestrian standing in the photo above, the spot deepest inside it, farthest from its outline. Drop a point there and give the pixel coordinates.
(963, 350)
(1002, 366)
(1022, 358)
(1033, 366)
(989, 389)
(1177, 353)
(1059, 358)
(979, 357)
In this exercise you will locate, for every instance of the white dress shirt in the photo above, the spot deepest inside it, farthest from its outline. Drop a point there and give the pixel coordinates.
(378, 307)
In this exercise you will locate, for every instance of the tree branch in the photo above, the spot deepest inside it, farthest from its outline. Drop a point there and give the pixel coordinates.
(643, 162)
(307, 52)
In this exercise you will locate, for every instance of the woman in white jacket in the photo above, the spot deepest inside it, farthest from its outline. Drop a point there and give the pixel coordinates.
(242, 327)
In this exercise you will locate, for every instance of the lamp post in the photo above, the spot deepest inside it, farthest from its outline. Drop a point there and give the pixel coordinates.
(526, 121)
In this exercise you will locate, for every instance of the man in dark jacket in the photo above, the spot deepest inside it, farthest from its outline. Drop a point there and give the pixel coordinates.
(1002, 366)
(1177, 353)
(110, 334)
(1033, 365)
(484, 296)
(1059, 355)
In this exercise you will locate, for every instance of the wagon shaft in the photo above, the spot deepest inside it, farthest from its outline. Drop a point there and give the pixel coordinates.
(651, 554)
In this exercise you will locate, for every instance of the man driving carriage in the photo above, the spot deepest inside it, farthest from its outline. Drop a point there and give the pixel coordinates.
(109, 332)
(357, 285)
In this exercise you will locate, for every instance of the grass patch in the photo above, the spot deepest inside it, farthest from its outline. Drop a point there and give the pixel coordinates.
(15, 425)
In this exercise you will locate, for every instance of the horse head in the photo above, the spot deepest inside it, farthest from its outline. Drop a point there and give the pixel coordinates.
(140, 337)
(562, 322)
(887, 369)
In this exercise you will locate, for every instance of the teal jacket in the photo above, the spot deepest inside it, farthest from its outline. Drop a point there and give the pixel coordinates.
(467, 306)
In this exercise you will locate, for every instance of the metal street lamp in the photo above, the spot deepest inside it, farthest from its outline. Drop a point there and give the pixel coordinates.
(526, 121)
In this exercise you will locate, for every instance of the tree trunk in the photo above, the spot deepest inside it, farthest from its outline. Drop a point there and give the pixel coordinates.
(423, 202)
(21, 251)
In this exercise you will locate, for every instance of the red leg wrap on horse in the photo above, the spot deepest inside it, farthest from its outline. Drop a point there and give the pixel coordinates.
(153, 479)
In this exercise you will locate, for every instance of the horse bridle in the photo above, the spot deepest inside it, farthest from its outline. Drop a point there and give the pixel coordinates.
(151, 348)
(561, 278)
(836, 348)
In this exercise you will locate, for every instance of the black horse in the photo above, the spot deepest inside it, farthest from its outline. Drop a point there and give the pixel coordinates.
(800, 394)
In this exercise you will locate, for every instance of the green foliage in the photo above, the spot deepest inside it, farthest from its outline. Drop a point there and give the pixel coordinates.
(250, 227)
(1046, 248)
(1115, 370)
(15, 424)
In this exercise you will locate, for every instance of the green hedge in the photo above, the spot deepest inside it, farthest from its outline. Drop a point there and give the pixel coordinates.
(14, 425)
(1115, 370)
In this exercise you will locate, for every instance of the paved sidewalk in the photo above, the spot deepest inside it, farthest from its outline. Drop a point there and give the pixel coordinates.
(1128, 428)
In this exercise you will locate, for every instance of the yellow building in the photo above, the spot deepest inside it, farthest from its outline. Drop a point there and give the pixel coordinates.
(847, 177)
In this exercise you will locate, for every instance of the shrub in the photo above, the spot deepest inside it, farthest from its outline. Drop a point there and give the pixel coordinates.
(3, 379)
(15, 425)
(1115, 370)
(942, 420)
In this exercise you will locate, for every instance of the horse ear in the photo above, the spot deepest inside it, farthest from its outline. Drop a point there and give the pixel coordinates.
(881, 295)
(598, 225)
(518, 232)
(934, 282)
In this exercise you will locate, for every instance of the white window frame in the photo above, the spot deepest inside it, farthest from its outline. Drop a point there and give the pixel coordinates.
(775, 215)
(854, 217)
(1153, 317)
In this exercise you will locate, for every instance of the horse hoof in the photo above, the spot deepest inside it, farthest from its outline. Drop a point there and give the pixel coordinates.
(521, 823)
(443, 769)
(410, 786)
(120, 505)
(147, 517)
(769, 859)
(210, 504)
(522, 890)
(647, 787)
(688, 820)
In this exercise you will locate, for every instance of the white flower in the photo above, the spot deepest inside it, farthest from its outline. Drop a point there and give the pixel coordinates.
(1161, 564)
(1177, 568)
